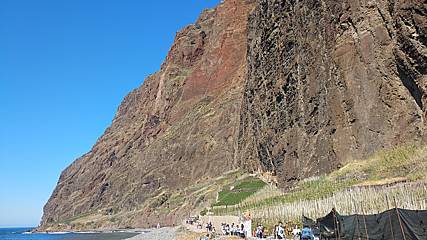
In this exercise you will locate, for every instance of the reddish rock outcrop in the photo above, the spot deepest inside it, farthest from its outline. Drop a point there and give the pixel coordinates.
(179, 127)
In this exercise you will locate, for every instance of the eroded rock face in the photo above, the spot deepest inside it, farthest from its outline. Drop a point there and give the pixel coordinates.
(293, 89)
(179, 127)
(330, 81)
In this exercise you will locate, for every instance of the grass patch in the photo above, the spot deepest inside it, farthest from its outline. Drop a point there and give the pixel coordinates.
(231, 198)
(250, 183)
(233, 194)
(407, 161)
(316, 189)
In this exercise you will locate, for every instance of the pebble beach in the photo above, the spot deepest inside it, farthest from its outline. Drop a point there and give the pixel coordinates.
(166, 233)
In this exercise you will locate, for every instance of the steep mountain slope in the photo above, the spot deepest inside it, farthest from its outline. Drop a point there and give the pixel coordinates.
(292, 88)
(330, 81)
(178, 128)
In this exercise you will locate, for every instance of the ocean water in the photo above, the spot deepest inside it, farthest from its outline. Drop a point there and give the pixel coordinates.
(17, 234)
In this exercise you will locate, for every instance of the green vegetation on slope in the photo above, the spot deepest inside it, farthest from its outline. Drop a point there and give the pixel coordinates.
(235, 193)
(403, 163)
(406, 163)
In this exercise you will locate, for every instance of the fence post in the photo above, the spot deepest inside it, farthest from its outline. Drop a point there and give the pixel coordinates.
(358, 226)
(400, 223)
(366, 228)
(336, 226)
(364, 222)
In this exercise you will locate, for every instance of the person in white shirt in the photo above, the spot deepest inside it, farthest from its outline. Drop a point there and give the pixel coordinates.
(280, 231)
(296, 232)
(227, 229)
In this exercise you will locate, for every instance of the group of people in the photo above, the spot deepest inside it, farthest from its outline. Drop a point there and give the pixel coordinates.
(259, 231)
(210, 231)
(233, 229)
(280, 231)
(226, 229)
(194, 221)
(210, 228)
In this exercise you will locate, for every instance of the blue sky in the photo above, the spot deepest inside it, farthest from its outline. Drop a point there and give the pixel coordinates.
(65, 66)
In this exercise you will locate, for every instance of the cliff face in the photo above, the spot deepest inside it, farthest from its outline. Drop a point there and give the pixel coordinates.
(179, 127)
(330, 81)
(293, 89)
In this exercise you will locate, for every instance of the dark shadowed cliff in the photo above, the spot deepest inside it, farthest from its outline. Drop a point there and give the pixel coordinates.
(292, 88)
(330, 81)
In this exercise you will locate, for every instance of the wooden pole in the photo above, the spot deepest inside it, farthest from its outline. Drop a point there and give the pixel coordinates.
(400, 223)
(364, 222)
(358, 225)
(366, 228)
(336, 226)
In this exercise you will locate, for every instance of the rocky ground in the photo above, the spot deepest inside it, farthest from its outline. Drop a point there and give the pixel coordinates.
(176, 233)
(162, 233)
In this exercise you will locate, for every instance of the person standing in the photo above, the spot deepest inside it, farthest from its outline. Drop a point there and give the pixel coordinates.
(242, 231)
(306, 233)
(296, 232)
(280, 231)
(275, 231)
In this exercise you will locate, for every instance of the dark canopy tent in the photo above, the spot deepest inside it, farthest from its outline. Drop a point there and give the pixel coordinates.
(308, 221)
(393, 224)
(329, 225)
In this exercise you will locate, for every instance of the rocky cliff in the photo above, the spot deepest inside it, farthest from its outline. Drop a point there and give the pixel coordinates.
(178, 128)
(292, 88)
(330, 81)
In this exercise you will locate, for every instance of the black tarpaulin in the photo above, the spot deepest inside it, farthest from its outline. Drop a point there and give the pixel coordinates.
(393, 224)
(329, 225)
(308, 221)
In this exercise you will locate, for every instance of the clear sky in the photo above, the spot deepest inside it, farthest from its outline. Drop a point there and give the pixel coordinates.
(65, 66)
